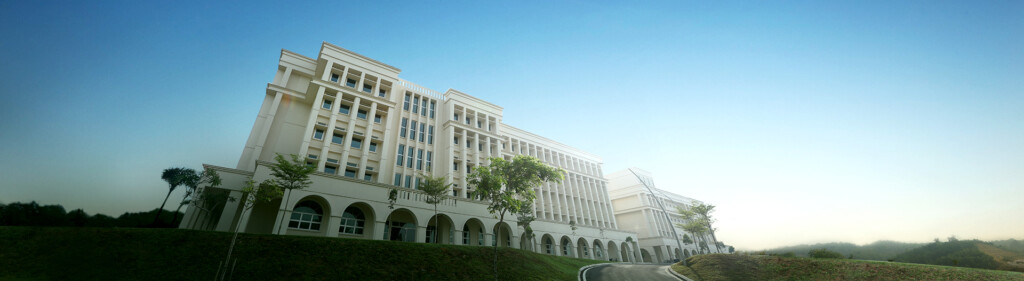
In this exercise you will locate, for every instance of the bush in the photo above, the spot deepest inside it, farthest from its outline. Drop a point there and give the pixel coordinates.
(824, 254)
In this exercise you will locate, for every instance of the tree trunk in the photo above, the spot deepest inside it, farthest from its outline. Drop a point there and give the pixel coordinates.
(158, 212)
(502, 219)
(437, 227)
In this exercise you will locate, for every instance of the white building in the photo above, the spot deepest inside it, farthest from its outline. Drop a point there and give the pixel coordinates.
(367, 130)
(636, 209)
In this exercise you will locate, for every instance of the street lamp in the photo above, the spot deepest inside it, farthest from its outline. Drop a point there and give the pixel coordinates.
(669, 220)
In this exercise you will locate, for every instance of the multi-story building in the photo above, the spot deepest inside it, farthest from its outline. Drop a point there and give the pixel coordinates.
(636, 200)
(366, 130)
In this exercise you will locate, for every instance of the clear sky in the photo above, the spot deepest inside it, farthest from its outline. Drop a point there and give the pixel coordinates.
(802, 121)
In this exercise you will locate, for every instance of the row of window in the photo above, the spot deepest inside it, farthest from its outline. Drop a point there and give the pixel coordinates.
(345, 109)
(469, 121)
(357, 143)
(400, 159)
(409, 129)
(479, 145)
(419, 106)
(351, 83)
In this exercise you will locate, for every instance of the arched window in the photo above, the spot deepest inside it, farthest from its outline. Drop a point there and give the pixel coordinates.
(307, 215)
(465, 234)
(547, 245)
(352, 221)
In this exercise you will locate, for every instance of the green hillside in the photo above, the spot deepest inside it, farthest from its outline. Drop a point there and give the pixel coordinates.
(58, 253)
(965, 253)
(879, 251)
(727, 267)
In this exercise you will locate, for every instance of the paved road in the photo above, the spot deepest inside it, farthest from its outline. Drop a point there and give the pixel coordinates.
(626, 272)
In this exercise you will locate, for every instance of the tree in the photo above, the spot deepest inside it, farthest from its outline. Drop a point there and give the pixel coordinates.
(523, 219)
(687, 240)
(702, 213)
(266, 192)
(290, 175)
(508, 186)
(195, 183)
(174, 178)
(824, 254)
(436, 190)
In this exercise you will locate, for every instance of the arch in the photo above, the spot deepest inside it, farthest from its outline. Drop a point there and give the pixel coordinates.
(613, 252)
(645, 255)
(473, 232)
(582, 249)
(599, 250)
(679, 254)
(308, 216)
(357, 221)
(548, 244)
(502, 235)
(625, 252)
(686, 253)
(440, 230)
(525, 242)
(565, 246)
(400, 226)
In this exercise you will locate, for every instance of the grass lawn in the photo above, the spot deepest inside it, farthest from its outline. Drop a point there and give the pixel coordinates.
(64, 253)
(742, 267)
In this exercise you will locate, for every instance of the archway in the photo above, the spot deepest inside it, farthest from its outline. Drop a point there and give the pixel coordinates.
(400, 226)
(625, 252)
(357, 221)
(613, 252)
(687, 253)
(646, 256)
(582, 249)
(679, 254)
(308, 217)
(440, 230)
(548, 243)
(565, 246)
(473, 232)
(598, 250)
(502, 235)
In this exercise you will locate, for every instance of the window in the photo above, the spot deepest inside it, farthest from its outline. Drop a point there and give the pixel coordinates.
(330, 170)
(402, 131)
(429, 153)
(335, 77)
(432, 105)
(361, 114)
(357, 143)
(411, 151)
(327, 104)
(456, 117)
(430, 135)
(306, 215)
(352, 221)
(480, 237)
(467, 143)
(376, 119)
(338, 139)
(423, 105)
(373, 146)
(455, 166)
(382, 93)
(350, 173)
(405, 106)
(408, 181)
(456, 140)
(419, 159)
(368, 177)
(467, 120)
(412, 131)
(343, 109)
(398, 178)
(423, 129)
(318, 134)
(479, 147)
(350, 82)
(367, 88)
(401, 154)
(455, 193)
(479, 124)
(415, 101)
(465, 235)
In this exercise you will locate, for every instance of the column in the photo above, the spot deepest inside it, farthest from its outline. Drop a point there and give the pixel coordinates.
(227, 216)
(367, 140)
(348, 134)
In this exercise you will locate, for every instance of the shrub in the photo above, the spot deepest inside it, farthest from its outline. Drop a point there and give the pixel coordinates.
(824, 254)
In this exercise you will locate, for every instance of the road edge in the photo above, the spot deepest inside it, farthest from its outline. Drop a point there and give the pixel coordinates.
(676, 274)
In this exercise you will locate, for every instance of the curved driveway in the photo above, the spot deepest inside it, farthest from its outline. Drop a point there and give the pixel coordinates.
(626, 272)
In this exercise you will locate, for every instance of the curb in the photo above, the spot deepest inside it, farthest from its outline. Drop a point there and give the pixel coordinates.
(582, 275)
(676, 274)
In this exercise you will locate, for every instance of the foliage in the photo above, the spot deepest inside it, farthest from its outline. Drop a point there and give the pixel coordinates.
(436, 190)
(731, 249)
(824, 254)
(59, 253)
(195, 185)
(33, 214)
(290, 175)
(687, 240)
(174, 178)
(880, 250)
(963, 253)
(523, 219)
(743, 267)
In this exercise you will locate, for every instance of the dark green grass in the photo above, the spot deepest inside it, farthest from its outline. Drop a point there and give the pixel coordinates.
(741, 267)
(40, 253)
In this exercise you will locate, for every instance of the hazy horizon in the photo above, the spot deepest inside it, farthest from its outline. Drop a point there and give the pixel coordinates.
(801, 122)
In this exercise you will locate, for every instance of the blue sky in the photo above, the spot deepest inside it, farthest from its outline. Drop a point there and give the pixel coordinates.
(802, 121)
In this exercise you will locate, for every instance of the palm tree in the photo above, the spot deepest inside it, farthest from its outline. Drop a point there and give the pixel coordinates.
(174, 178)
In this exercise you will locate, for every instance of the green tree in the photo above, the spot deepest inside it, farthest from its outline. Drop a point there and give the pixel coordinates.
(290, 175)
(687, 240)
(265, 192)
(196, 189)
(436, 190)
(174, 178)
(824, 254)
(701, 213)
(508, 186)
(523, 219)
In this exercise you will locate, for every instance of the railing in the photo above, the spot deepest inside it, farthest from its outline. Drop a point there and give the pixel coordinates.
(420, 89)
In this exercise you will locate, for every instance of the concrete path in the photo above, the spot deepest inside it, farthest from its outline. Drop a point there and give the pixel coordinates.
(627, 272)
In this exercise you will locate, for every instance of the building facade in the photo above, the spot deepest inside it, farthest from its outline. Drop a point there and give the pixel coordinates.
(366, 130)
(637, 209)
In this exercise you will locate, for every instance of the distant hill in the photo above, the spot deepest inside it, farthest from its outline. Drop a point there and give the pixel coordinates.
(881, 250)
(964, 253)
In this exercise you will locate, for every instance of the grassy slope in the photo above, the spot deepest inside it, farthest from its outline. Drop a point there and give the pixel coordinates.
(742, 267)
(35, 253)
